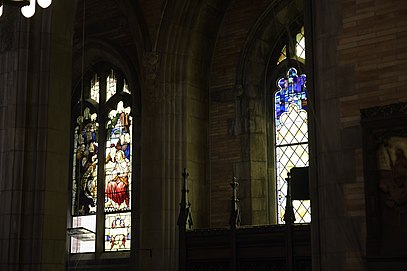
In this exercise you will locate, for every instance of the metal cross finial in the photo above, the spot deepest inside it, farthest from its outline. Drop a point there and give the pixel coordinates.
(289, 216)
(185, 216)
(235, 210)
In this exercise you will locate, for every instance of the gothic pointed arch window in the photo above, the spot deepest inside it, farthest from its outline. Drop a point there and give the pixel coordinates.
(102, 162)
(290, 123)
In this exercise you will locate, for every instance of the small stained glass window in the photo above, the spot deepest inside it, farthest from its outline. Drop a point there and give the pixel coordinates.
(126, 87)
(117, 231)
(291, 139)
(111, 83)
(95, 88)
(300, 44)
(299, 53)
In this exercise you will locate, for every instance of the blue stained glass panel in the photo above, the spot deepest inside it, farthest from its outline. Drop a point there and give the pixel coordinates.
(292, 90)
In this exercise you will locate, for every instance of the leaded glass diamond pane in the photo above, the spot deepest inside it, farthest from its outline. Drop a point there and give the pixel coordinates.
(300, 44)
(291, 125)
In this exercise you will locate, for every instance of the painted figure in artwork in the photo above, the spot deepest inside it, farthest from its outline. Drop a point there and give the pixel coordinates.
(86, 157)
(118, 240)
(117, 187)
(393, 172)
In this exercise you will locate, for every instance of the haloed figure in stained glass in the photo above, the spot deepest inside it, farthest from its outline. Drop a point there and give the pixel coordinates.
(118, 162)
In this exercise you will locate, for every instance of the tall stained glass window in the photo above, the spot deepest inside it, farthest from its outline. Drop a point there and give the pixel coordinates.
(291, 139)
(102, 165)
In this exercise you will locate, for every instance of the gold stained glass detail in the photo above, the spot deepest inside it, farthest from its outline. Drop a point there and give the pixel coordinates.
(283, 55)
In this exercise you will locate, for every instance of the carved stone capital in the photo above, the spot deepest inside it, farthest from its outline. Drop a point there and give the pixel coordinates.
(151, 65)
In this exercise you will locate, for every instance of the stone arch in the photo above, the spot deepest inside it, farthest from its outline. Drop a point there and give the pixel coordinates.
(253, 78)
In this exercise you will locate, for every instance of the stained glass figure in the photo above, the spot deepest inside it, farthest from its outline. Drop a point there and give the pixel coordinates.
(85, 161)
(111, 83)
(291, 139)
(94, 88)
(118, 232)
(118, 160)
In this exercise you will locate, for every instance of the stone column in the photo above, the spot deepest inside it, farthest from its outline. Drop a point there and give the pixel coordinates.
(35, 78)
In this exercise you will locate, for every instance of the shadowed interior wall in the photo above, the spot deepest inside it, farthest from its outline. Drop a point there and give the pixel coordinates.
(187, 57)
(35, 136)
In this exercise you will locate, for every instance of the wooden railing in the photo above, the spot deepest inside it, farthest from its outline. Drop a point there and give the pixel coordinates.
(284, 247)
(260, 248)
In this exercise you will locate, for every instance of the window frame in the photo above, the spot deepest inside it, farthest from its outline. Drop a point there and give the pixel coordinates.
(275, 71)
(102, 69)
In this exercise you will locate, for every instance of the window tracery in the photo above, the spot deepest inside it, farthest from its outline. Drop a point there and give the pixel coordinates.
(102, 164)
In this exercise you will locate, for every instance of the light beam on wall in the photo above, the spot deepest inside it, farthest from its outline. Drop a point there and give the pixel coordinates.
(27, 6)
